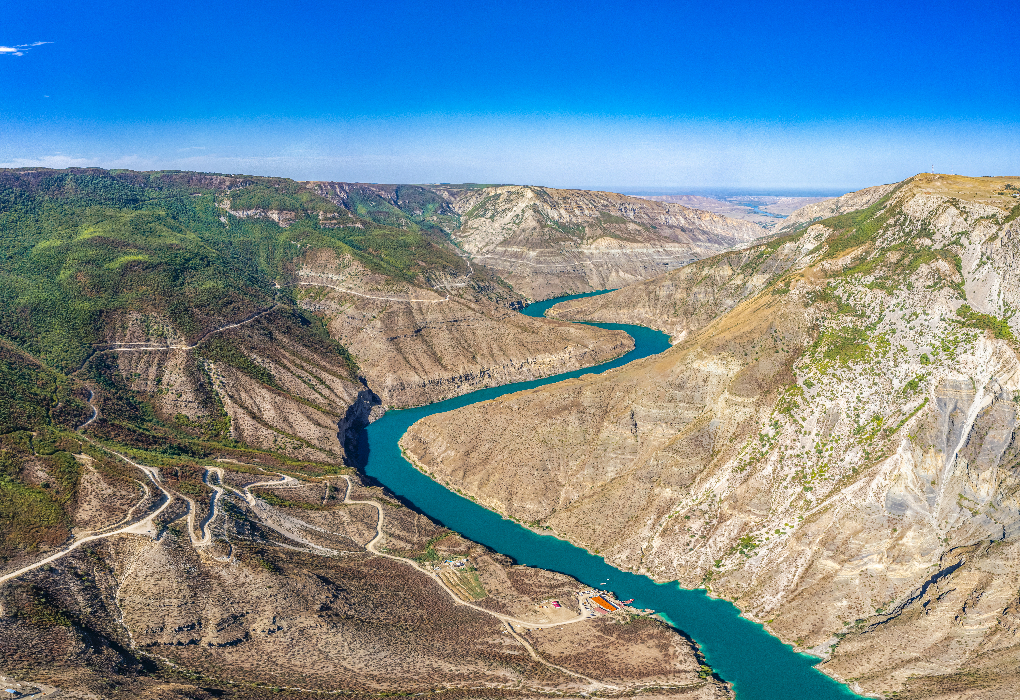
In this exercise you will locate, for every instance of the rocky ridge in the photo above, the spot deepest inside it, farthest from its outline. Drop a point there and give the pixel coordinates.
(416, 346)
(172, 522)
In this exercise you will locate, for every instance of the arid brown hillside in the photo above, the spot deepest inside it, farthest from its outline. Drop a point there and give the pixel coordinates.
(230, 580)
(836, 453)
(418, 345)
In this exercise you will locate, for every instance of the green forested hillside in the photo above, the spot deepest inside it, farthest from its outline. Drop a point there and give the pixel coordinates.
(76, 245)
(83, 249)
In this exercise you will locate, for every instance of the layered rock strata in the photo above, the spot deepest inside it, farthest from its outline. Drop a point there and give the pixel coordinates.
(416, 346)
(547, 242)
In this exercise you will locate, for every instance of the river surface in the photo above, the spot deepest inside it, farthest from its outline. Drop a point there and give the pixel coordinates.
(759, 666)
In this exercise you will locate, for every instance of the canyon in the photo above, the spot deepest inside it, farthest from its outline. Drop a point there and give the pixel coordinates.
(829, 444)
(180, 509)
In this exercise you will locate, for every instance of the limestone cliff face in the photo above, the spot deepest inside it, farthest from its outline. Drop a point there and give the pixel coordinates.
(836, 454)
(416, 345)
(547, 242)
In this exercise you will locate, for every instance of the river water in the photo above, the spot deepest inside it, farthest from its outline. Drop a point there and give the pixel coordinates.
(759, 666)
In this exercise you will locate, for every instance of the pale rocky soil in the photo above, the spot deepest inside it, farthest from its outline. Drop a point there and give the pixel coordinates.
(547, 242)
(257, 606)
(854, 489)
(101, 503)
(684, 301)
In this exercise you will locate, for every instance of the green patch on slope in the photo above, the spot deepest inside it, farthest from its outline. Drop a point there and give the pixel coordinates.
(975, 319)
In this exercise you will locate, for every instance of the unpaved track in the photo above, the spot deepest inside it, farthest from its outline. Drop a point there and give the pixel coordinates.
(143, 526)
(507, 621)
(142, 347)
(150, 347)
(92, 405)
(283, 524)
(372, 546)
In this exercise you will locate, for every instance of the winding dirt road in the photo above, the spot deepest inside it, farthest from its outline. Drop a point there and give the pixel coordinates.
(151, 347)
(508, 621)
(368, 296)
(143, 526)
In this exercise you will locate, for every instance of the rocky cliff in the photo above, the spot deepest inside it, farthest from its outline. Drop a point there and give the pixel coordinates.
(185, 362)
(835, 453)
(685, 300)
(547, 242)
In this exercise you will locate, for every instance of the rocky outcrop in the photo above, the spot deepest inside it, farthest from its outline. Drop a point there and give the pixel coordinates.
(547, 242)
(836, 453)
(269, 384)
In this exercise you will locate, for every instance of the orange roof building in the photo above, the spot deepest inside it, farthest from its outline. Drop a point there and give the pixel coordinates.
(603, 603)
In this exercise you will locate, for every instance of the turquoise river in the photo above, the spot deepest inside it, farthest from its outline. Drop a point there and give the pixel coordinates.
(759, 666)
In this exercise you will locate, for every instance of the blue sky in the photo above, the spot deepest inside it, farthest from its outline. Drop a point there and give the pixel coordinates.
(799, 95)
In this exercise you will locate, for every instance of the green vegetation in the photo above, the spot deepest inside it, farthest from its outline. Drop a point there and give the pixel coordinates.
(38, 489)
(219, 349)
(913, 385)
(898, 262)
(828, 295)
(83, 247)
(745, 545)
(975, 319)
(846, 345)
(856, 228)
(912, 414)
(38, 608)
(32, 395)
(430, 555)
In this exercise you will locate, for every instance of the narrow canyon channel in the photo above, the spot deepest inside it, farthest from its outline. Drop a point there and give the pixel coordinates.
(759, 666)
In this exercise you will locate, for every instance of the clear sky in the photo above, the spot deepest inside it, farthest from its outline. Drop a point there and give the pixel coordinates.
(803, 95)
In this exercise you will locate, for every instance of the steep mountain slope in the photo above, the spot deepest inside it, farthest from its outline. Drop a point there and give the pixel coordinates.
(547, 242)
(832, 447)
(418, 345)
(185, 363)
(685, 300)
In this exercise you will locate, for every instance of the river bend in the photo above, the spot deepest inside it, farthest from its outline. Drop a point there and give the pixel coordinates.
(759, 666)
